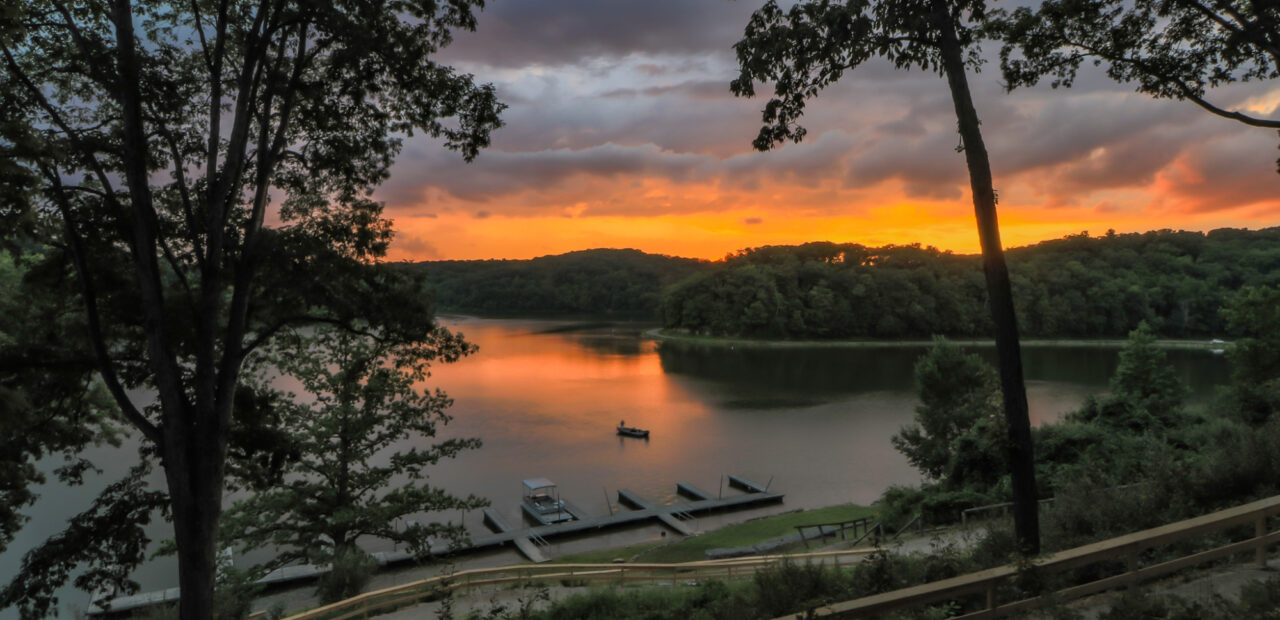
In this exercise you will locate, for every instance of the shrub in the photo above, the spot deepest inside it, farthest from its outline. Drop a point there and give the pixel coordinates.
(788, 588)
(946, 506)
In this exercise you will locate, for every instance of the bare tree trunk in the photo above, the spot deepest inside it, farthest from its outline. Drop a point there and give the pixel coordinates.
(1026, 516)
(195, 506)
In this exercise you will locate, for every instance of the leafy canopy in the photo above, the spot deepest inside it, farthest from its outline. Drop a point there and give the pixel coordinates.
(352, 475)
(1169, 49)
(186, 180)
(809, 46)
(959, 412)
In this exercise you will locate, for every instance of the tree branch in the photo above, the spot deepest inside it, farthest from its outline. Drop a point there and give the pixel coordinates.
(77, 142)
(96, 338)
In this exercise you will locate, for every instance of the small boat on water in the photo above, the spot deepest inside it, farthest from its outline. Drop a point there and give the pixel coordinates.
(543, 503)
(631, 431)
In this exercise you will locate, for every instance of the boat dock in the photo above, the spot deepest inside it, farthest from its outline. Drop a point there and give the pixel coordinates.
(692, 492)
(528, 540)
(739, 482)
(642, 510)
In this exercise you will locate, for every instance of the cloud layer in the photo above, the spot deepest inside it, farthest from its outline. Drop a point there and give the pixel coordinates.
(621, 125)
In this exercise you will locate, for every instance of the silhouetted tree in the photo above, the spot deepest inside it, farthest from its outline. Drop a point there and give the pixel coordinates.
(1170, 49)
(142, 146)
(810, 46)
(958, 392)
(361, 399)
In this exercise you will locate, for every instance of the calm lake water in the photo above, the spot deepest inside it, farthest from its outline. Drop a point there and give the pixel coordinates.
(545, 396)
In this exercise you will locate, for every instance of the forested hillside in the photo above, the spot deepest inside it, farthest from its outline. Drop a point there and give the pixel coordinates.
(1079, 286)
(619, 283)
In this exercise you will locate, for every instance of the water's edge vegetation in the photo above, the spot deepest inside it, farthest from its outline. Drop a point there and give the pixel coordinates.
(1080, 286)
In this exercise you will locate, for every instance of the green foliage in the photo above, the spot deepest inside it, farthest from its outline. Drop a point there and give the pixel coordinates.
(959, 410)
(351, 477)
(1254, 312)
(810, 45)
(1170, 50)
(945, 506)
(1139, 432)
(178, 174)
(1079, 286)
(101, 546)
(1145, 379)
(50, 406)
(1146, 395)
(788, 587)
(899, 504)
(613, 283)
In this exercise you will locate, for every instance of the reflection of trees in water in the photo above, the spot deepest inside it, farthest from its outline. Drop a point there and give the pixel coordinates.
(789, 373)
(815, 370)
(614, 345)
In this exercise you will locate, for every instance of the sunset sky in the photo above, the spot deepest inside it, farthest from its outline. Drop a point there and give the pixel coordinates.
(622, 132)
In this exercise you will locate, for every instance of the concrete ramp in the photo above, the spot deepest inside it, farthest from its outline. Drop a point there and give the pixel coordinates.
(675, 524)
(529, 550)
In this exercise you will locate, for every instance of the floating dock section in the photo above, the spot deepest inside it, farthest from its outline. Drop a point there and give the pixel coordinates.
(642, 510)
(527, 541)
(746, 485)
(692, 492)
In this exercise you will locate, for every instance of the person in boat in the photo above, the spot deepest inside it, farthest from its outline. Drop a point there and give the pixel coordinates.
(622, 423)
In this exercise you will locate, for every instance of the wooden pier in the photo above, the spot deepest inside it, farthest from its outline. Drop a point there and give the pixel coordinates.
(746, 485)
(530, 540)
(692, 492)
(641, 510)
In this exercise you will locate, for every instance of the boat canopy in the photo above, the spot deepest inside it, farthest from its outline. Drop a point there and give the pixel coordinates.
(534, 484)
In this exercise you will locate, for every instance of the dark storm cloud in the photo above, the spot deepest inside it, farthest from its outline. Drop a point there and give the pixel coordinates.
(1062, 130)
(503, 173)
(610, 100)
(519, 33)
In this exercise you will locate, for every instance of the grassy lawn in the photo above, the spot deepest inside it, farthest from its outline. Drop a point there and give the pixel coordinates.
(752, 532)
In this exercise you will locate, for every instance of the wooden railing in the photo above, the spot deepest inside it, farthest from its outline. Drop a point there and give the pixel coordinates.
(1124, 548)
(410, 594)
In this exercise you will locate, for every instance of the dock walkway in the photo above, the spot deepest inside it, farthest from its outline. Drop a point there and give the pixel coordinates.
(523, 539)
(642, 510)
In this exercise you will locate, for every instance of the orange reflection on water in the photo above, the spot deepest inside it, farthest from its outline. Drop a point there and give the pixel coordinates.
(570, 389)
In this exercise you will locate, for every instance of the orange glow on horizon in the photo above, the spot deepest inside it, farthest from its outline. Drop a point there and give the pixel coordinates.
(711, 236)
(711, 217)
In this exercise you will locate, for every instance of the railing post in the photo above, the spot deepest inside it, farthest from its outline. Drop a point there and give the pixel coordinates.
(1260, 530)
(991, 595)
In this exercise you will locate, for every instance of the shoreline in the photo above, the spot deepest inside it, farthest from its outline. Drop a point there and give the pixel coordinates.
(300, 595)
(663, 334)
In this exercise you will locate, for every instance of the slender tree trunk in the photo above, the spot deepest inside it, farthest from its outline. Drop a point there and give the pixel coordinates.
(1026, 516)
